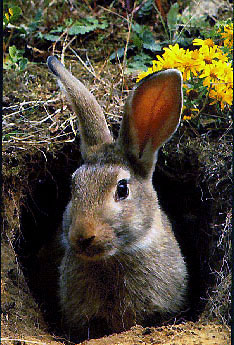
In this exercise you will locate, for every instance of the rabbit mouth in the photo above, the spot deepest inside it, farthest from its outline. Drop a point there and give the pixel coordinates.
(95, 253)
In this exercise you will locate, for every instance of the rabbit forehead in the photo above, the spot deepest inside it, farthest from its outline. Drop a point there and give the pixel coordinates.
(100, 173)
(91, 183)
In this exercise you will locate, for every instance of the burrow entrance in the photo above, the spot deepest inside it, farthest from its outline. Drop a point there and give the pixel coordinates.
(48, 191)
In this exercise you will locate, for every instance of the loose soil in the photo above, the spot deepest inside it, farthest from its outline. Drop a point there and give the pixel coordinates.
(193, 181)
(184, 334)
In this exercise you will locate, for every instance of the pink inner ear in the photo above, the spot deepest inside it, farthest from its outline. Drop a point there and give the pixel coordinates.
(156, 111)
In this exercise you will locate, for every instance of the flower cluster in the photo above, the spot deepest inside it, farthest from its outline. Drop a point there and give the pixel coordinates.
(206, 68)
(226, 32)
(9, 14)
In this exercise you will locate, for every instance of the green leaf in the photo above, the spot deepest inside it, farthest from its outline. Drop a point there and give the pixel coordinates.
(23, 64)
(154, 47)
(38, 15)
(13, 51)
(7, 65)
(137, 41)
(33, 26)
(22, 30)
(58, 29)
(139, 62)
(143, 38)
(68, 21)
(91, 20)
(86, 25)
(137, 28)
(146, 9)
(149, 42)
(103, 25)
(5, 21)
(77, 29)
(118, 54)
(52, 38)
(172, 16)
(16, 10)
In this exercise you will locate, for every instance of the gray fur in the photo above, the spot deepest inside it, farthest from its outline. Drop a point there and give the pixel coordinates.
(131, 267)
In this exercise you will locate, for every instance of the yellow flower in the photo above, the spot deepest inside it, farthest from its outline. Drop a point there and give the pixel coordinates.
(219, 78)
(228, 96)
(220, 93)
(210, 54)
(212, 73)
(170, 59)
(198, 57)
(227, 35)
(208, 62)
(164, 63)
(190, 113)
(217, 72)
(199, 42)
(156, 66)
(176, 57)
(11, 11)
(187, 64)
(187, 117)
(144, 74)
(7, 16)
(227, 73)
(173, 52)
(195, 110)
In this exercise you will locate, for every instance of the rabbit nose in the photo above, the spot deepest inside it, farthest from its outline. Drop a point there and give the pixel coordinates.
(84, 243)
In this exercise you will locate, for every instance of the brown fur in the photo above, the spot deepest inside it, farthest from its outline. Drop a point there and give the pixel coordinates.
(121, 263)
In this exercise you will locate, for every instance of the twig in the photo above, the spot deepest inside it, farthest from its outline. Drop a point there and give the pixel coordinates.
(127, 42)
(87, 58)
(87, 3)
(162, 21)
(30, 102)
(126, 46)
(9, 39)
(138, 7)
(86, 67)
(205, 103)
(65, 47)
(118, 15)
(23, 340)
(186, 24)
(65, 32)
(25, 109)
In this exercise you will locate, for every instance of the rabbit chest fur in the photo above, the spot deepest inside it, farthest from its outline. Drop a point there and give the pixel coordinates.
(141, 272)
(121, 263)
(123, 291)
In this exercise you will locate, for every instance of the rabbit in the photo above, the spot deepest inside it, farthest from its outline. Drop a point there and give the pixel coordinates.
(122, 264)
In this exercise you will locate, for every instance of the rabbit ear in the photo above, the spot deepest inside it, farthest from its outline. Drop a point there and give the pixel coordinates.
(152, 114)
(93, 126)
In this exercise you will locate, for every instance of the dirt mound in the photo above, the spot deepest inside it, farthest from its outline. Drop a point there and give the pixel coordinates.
(34, 200)
(193, 181)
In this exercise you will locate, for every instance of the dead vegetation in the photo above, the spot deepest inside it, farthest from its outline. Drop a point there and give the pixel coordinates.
(41, 150)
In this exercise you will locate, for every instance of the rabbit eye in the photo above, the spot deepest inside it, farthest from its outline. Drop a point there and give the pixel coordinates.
(122, 190)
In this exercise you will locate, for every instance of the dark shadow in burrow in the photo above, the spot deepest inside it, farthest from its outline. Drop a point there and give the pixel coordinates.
(41, 215)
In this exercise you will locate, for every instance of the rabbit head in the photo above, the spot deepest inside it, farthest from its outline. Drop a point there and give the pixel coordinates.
(113, 209)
